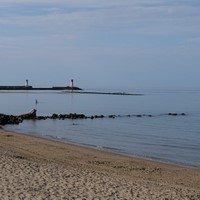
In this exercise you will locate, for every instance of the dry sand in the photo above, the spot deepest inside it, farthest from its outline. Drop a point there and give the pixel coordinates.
(36, 168)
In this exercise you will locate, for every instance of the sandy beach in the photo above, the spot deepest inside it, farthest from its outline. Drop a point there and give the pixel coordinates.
(37, 168)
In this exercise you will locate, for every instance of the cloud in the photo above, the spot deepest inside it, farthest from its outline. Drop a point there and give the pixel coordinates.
(123, 14)
(119, 28)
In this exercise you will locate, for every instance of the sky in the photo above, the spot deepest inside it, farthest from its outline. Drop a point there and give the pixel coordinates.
(100, 43)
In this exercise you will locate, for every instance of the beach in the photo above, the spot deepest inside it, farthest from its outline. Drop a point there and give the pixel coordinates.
(39, 168)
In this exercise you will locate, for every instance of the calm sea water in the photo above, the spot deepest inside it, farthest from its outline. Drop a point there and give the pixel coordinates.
(167, 138)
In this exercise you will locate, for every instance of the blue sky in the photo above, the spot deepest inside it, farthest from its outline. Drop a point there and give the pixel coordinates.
(113, 44)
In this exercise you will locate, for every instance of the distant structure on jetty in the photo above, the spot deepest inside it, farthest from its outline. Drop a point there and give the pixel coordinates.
(65, 89)
(29, 87)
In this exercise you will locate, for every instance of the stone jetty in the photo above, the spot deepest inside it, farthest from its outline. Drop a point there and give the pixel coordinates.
(16, 119)
(38, 88)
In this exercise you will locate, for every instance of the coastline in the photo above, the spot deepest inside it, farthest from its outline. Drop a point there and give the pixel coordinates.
(113, 151)
(36, 167)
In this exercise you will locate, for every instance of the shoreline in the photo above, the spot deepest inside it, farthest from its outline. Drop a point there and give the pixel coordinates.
(72, 171)
(105, 150)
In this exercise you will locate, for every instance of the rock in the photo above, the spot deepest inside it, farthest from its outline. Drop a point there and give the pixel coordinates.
(98, 116)
(54, 116)
(173, 114)
(9, 119)
(41, 118)
(81, 116)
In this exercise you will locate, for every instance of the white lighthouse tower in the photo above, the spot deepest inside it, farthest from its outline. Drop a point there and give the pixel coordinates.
(72, 84)
(26, 84)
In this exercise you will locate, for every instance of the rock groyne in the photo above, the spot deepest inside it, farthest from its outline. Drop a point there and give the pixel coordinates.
(16, 119)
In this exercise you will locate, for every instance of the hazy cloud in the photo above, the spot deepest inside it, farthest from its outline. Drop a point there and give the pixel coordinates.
(96, 34)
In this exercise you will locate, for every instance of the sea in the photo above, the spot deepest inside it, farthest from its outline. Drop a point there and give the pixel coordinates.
(142, 127)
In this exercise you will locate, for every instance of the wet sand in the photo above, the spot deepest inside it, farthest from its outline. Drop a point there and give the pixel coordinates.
(37, 168)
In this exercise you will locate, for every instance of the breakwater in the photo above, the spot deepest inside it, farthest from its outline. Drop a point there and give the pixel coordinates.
(68, 89)
(11, 119)
(105, 93)
(38, 88)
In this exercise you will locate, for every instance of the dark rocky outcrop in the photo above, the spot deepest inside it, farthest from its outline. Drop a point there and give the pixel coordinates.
(112, 116)
(68, 116)
(11, 119)
(176, 114)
